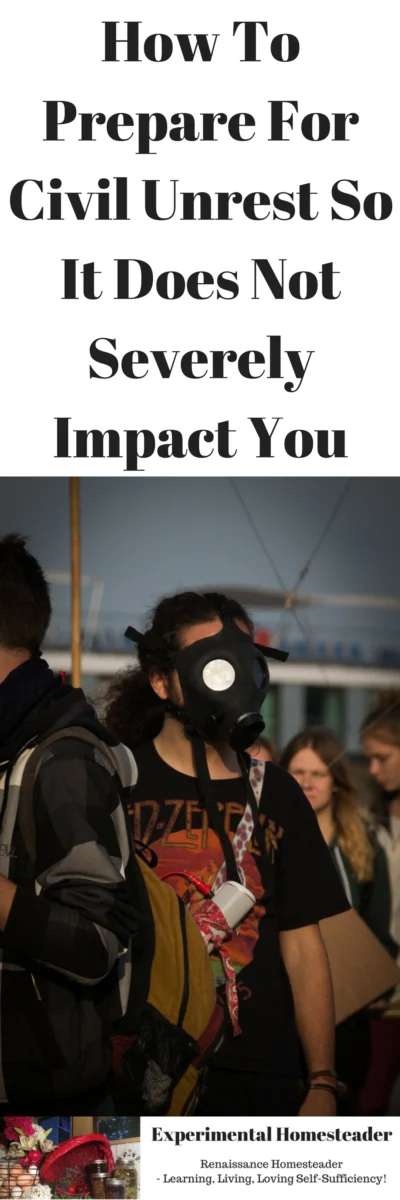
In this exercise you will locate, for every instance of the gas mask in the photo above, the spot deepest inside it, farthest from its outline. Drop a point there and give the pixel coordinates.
(224, 680)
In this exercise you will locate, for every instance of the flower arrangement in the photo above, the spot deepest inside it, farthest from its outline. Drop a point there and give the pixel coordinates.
(28, 1143)
(32, 1143)
(39, 1191)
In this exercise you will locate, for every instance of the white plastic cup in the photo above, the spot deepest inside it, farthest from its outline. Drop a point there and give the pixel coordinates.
(234, 901)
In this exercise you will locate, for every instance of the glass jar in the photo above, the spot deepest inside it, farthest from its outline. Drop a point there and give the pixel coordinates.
(98, 1164)
(115, 1188)
(98, 1184)
(127, 1171)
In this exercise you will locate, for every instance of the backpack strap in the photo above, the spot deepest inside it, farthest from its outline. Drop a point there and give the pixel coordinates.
(25, 803)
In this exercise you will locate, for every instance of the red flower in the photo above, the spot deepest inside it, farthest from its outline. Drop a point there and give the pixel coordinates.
(24, 1124)
(33, 1156)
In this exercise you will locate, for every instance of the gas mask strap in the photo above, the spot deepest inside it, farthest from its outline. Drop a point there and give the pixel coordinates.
(211, 807)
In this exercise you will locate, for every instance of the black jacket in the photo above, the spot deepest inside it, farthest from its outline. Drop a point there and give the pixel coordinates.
(74, 922)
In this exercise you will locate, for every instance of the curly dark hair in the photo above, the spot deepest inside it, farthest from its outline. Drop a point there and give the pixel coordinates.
(131, 710)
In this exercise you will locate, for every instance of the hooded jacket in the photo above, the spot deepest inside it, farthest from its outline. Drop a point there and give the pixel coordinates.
(73, 922)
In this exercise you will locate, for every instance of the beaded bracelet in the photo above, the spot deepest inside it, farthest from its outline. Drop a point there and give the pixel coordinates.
(324, 1087)
(327, 1080)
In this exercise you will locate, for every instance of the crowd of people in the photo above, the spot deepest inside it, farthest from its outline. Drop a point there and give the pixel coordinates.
(178, 772)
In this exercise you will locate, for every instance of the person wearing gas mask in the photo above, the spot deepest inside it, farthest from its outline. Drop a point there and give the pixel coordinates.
(241, 845)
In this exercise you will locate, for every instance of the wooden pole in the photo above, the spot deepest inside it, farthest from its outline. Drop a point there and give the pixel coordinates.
(75, 540)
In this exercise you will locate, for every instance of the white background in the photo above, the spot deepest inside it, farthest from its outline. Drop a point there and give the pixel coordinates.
(348, 62)
(371, 1159)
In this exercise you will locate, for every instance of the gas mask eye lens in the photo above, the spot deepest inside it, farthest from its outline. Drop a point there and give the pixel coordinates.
(259, 672)
(219, 675)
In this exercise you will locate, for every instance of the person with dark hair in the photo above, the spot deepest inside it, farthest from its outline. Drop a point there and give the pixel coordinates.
(67, 920)
(316, 760)
(380, 737)
(189, 711)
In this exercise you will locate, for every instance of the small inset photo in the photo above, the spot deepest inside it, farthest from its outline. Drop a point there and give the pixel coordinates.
(45, 1157)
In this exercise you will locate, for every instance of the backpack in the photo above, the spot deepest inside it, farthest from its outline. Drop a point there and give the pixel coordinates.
(172, 1022)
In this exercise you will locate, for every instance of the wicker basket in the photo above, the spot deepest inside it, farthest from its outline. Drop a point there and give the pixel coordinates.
(66, 1166)
(12, 1173)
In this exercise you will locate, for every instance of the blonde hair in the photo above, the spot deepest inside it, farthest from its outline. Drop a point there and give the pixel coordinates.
(351, 822)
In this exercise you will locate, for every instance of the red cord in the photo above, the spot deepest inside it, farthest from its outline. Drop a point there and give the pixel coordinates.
(198, 883)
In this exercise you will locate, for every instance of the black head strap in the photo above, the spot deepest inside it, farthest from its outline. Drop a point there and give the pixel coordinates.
(150, 642)
(154, 643)
(133, 635)
(272, 652)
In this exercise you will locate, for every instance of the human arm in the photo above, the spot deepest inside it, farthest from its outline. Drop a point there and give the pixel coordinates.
(307, 891)
(307, 967)
(80, 917)
(7, 893)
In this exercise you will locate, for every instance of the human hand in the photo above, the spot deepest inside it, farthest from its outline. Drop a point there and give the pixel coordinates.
(318, 1103)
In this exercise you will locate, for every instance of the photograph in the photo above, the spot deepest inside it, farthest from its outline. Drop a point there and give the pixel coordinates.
(199, 599)
(45, 1157)
(200, 799)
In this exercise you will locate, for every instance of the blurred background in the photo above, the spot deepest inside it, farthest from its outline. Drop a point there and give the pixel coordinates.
(316, 562)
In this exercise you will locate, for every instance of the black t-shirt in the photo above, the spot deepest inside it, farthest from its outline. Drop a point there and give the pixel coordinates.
(168, 814)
